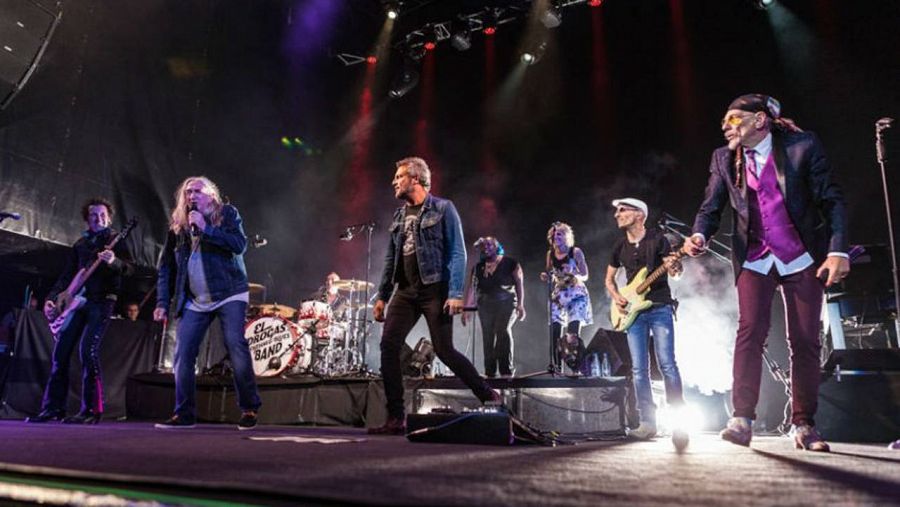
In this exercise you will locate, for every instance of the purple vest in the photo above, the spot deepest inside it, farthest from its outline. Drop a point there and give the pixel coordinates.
(771, 228)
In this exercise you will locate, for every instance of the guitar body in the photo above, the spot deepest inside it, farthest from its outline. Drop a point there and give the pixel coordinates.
(60, 320)
(622, 320)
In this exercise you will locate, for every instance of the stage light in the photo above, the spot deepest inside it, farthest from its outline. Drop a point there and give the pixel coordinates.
(406, 80)
(489, 22)
(392, 10)
(551, 18)
(430, 39)
(527, 58)
(461, 40)
(763, 4)
(533, 56)
(371, 59)
(595, 3)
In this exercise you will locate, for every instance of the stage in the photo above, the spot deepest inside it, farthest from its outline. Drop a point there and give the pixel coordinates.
(285, 465)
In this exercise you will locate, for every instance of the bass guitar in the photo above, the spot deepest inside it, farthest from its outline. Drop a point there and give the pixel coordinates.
(60, 314)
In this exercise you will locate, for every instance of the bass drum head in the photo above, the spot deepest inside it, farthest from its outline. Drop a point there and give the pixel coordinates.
(276, 345)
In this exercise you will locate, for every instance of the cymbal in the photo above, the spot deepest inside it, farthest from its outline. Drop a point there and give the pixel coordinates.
(354, 285)
(275, 309)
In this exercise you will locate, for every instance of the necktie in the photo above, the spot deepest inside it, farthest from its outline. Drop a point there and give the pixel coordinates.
(751, 162)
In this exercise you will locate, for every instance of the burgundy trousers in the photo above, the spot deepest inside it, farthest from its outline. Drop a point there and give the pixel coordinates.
(802, 294)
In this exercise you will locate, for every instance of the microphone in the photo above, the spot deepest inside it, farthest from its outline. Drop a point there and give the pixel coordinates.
(258, 241)
(9, 214)
(347, 235)
(884, 123)
(194, 230)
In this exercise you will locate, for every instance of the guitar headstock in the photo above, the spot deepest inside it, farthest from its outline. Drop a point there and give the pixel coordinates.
(128, 227)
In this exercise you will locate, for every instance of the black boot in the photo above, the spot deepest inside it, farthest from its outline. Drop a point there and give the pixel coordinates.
(46, 415)
(84, 417)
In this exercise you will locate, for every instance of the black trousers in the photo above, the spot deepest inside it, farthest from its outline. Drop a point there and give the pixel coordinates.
(497, 319)
(87, 326)
(405, 309)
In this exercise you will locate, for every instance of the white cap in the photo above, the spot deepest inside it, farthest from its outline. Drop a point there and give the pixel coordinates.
(632, 202)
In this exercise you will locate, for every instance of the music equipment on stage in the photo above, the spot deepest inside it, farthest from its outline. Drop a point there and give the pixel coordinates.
(68, 301)
(352, 285)
(480, 427)
(283, 311)
(634, 293)
(277, 345)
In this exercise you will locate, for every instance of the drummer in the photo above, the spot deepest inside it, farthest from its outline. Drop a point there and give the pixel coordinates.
(330, 294)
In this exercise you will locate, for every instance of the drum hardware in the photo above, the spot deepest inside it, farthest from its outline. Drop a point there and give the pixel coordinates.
(283, 311)
(257, 293)
(352, 285)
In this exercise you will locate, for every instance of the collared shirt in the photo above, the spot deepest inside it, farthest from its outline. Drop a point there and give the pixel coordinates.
(761, 154)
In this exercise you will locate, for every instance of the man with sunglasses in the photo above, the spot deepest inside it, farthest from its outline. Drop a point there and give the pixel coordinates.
(789, 231)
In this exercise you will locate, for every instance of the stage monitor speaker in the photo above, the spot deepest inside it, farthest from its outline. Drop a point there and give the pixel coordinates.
(869, 360)
(480, 428)
(25, 30)
(860, 407)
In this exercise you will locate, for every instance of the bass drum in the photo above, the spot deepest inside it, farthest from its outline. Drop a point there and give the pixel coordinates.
(277, 346)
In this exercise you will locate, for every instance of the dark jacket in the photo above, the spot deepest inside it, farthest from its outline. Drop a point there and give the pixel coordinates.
(106, 282)
(440, 248)
(814, 202)
(222, 250)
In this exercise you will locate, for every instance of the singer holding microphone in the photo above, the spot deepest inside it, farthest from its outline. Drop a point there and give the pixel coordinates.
(202, 267)
(790, 231)
(424, 271)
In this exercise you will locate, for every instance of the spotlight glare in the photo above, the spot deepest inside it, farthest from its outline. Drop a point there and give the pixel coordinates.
(392, 14)
(490, 30)
(430, 46)
(527, 58)
(763, 4)
(595, 3)
(371, 59)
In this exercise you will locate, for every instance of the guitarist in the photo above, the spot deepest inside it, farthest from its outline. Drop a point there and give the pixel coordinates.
(643, 248)
(90, 321)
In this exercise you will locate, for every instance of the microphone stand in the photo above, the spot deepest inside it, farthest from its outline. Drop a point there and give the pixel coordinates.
(350, 232)
(880, 126)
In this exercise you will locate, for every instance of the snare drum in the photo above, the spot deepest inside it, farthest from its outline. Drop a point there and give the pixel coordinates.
(276, 345)
(318, 310)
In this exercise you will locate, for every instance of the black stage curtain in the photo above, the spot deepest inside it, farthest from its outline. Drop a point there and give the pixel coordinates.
(128, 348)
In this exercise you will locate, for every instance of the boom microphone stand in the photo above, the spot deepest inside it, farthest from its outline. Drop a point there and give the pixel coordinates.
(880, 126)
(349, 233)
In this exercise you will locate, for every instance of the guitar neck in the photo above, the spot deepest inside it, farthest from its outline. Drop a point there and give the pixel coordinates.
(652, 277)
(82, 276)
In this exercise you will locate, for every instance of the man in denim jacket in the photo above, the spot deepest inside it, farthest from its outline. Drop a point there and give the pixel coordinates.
(203, 255)
(425, 263)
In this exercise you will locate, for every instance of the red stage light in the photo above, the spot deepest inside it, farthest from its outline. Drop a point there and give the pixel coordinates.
(595, 3)
(371, 59)
(429, 46)
(491, 30)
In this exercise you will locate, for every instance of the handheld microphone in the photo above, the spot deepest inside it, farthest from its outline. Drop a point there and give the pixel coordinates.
(194, 230)
(10, 214)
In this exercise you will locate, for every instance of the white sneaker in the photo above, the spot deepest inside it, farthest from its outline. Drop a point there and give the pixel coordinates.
(645, 431)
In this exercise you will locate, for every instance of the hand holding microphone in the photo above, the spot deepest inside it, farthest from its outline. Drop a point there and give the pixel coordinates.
(195, 218)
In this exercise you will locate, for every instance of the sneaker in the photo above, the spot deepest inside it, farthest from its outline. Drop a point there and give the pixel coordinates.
(680, 439)
(248, 420)
(393, 426)
(84, 417)
(806, 437)
(645, 431)
(175, 422)
(738, 431)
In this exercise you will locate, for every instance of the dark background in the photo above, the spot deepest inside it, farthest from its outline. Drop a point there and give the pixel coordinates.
(132, 97)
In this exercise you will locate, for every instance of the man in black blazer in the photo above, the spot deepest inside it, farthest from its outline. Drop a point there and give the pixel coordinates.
(790, 230)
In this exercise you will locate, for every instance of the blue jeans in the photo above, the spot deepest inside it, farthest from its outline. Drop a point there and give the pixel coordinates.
(658, 321)
(191, 329)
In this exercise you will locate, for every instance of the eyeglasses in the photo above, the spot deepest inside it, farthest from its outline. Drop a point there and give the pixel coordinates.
(733, 120)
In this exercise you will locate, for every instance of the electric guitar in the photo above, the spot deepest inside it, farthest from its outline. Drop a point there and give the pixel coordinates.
(68, 301)
(634, 293)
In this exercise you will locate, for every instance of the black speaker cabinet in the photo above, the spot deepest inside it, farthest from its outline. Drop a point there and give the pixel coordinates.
(25, 31)
(860, 406)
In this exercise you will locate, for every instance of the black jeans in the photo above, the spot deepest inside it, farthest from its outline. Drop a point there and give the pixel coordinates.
(87, 325)
(497, 318)
(407, 305)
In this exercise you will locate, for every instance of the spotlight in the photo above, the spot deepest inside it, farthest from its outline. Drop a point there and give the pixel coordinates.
(534, 56)
(489, 21)
(406, 80)
(430, 39)
(595, 3)
(763, 4)
(527, 58)
(551, 18)
(392, 10)
(461, 40)
(372, 59)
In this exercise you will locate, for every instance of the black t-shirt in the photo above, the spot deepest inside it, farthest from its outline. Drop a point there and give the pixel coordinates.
(649, 253)
(408, 269)
(501, 284)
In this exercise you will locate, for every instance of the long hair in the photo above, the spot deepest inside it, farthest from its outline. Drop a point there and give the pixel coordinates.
(179, 220)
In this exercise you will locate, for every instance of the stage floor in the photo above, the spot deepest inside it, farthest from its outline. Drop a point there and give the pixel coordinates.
(290, 465)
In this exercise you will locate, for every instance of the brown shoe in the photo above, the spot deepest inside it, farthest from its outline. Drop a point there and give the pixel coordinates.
(738, 431)
(806, 437)
(393, 426)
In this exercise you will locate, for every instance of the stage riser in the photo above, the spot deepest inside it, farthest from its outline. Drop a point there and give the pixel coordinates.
(561, 409)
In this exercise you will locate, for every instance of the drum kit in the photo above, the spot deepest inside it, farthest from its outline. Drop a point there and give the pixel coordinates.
(327, 340)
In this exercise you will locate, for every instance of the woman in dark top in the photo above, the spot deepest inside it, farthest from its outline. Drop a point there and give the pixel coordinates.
(497, 282)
